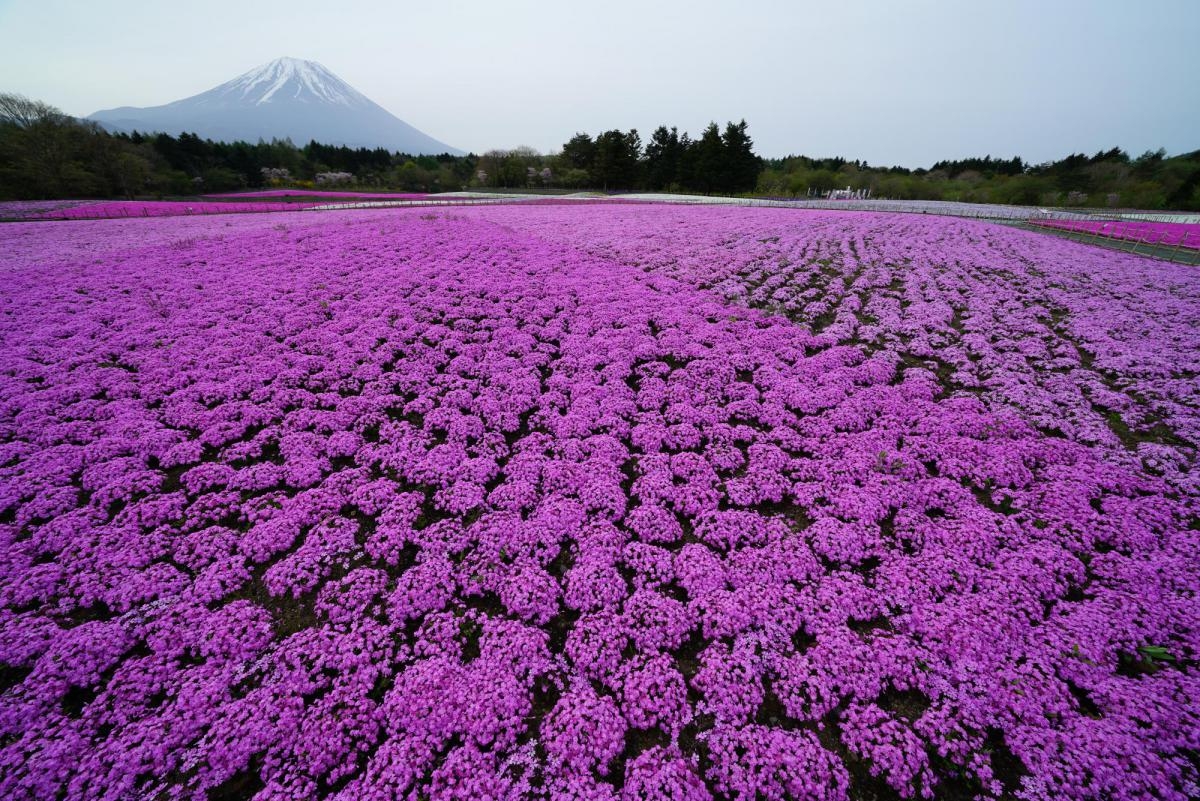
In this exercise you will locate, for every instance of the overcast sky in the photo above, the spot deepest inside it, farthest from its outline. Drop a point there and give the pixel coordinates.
(888, 81)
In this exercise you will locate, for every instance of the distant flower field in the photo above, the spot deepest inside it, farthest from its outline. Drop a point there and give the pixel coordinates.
(1185, 235)
(319, 193)
(36, 209)
(122, 209)
(569, 502)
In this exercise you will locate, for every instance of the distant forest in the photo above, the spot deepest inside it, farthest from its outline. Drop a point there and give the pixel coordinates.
(46, 154)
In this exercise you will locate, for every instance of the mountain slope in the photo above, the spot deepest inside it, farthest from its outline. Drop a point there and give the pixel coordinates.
(287, 97)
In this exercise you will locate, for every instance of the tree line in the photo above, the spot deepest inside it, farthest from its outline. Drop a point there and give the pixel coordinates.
(47, 154)
(717, 162)
(720, 162)
(1106, 179)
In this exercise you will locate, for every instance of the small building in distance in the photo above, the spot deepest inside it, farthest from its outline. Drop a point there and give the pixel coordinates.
(848, 194)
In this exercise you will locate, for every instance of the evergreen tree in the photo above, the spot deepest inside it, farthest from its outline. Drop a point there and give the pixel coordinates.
(633, 159)
(709, 164)
(740, 173)
(579, 152)
(686, 169)
(615, 165)
(662, 158)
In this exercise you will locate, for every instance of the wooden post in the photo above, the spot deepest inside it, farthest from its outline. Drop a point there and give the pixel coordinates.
(1178, 243)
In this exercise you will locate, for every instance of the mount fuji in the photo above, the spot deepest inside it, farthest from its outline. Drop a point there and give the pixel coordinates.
(288, 97)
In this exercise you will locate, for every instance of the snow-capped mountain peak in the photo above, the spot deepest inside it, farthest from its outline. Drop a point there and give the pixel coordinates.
(291, 78)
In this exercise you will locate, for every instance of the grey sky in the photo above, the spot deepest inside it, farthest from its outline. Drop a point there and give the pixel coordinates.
(890, 82)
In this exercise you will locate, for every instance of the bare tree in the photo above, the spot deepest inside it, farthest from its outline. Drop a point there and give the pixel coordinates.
(22, 112)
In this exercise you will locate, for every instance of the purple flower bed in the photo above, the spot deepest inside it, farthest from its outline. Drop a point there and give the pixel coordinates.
(621, 502)
(320, 193)
(35, 209)
(1185, 235)
(121, 209)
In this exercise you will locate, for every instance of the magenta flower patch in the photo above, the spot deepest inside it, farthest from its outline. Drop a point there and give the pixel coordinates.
(620, 502)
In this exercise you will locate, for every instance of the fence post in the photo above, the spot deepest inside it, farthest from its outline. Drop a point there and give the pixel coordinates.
(1178, 245)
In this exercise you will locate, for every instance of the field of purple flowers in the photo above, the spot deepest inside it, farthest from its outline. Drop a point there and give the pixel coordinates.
(1184, 235)
(638, 502)
(317, 193)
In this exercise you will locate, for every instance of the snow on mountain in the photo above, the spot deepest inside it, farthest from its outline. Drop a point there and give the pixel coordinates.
(290, 79)
(285, 98)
